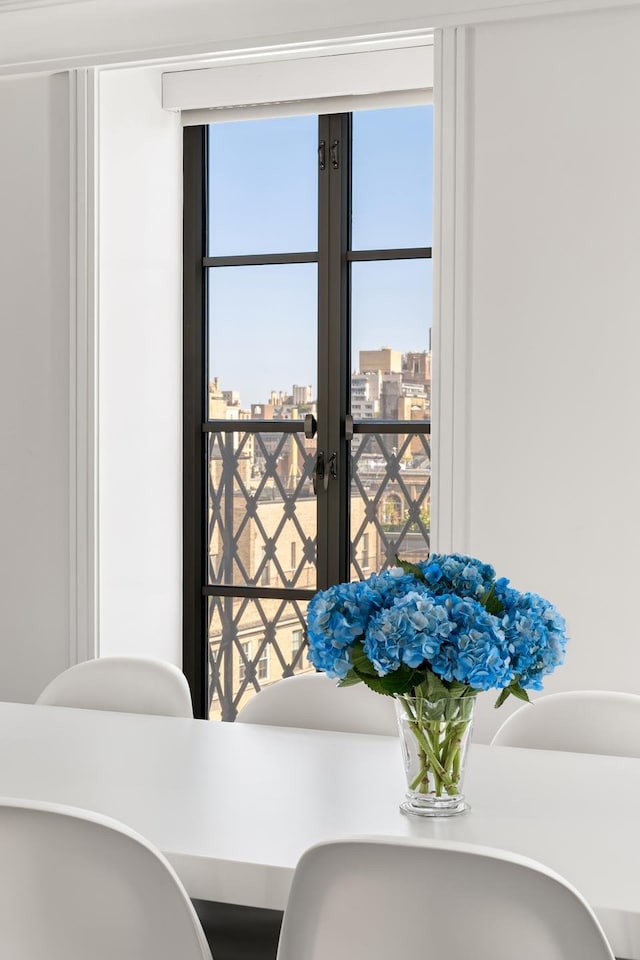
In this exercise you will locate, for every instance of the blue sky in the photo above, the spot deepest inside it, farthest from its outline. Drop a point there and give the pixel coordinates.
(263, 199)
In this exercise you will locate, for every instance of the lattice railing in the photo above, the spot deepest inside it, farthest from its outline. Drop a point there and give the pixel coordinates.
(390, 502)
(261, 502)
(262, 534)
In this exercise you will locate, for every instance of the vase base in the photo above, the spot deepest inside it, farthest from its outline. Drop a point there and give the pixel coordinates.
(448, 808)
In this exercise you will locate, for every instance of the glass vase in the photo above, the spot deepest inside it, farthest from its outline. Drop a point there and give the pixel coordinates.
(434, 736)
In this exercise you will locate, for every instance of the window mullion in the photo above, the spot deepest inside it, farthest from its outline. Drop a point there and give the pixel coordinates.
(337, 496)
(333, 344)
(324, 361)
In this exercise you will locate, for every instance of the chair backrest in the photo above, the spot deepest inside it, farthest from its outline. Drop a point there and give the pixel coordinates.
(125, 684)
(580, 721)
(314, 701)
(76, 885)
(380, 898)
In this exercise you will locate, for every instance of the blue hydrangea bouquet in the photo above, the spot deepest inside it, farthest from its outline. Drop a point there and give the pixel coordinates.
(433, 634)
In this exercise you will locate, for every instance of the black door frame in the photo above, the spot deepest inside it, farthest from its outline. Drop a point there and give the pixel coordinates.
(334, 427)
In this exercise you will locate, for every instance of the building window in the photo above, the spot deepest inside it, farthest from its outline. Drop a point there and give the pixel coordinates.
(307, 298)
(262, 669)
(242, 669)
(265, 576)
(296, 642)
(365, 551)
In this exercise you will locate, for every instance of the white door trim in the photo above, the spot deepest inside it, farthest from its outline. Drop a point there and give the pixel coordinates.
(451, 418)
(83, 369)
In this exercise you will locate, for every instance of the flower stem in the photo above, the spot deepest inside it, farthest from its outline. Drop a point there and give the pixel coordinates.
(428, 753)
(439, 740)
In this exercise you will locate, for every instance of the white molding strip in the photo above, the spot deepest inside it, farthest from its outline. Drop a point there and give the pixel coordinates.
(460, 513)
(441, 328)
(83, 494)
(7, 5)
(450, 413)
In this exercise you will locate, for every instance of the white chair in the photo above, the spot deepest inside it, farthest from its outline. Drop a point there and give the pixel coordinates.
(75, 885)
(580, 721)
(383, 898)
(313, 701)
(125, 684)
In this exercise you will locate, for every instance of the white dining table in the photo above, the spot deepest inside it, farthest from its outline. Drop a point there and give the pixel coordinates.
(233, 806)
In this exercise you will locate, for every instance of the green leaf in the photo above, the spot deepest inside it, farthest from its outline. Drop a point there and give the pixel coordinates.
(436, 689)
(458, 689)
(410, 568)
(360, 661)
(350, 679)
(518, 692)
(514, 689)
(402, 680)
(491, 603)
(384, 685)
(375, 684)
(432, 688)
(362, 670)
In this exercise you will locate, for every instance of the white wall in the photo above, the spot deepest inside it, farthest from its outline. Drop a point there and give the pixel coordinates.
(553, 144)
(34, 383)
(551, 153)
(140, 392)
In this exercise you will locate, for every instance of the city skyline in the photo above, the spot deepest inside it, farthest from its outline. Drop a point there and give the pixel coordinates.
(263, 177)
(292, 393)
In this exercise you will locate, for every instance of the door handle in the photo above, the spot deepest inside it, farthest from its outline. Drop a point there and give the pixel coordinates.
(318, 471)
(332, 472)
(324, 471)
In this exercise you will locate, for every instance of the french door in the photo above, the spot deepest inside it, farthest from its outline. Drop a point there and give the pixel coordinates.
(307, 378)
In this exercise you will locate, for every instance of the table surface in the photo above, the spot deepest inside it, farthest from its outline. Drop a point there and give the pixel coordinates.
(233, 806)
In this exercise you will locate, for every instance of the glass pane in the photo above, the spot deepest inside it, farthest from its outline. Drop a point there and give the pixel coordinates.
(392, 178)
(262, 341)
(391, 309)
(263, 186)
(262, 510)
(390, 500)
(252, 643)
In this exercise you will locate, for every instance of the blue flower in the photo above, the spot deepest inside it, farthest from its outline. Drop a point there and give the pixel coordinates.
(504, 593)
(477, 652)
(409, 632)
(336, 618)
(455, 573)
(434, 622)
(393, 583)
(536, 634)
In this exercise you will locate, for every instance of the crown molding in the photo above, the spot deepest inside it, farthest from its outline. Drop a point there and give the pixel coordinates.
(115, 33)
(6, 6)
